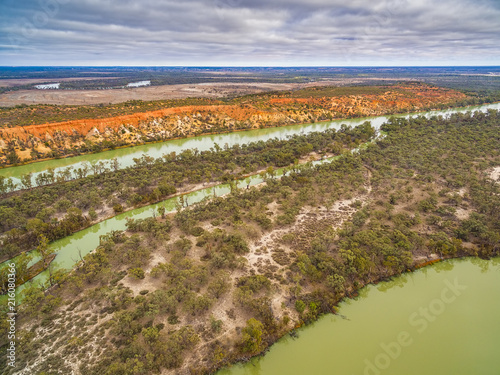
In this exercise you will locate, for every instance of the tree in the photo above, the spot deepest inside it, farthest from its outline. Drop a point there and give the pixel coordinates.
(336, 282)
(82, 172)
(50, 176)
(219, 285)
(6, 185)
(12, 157)
(56, 276)
(115, 164)
(3, 184)
(92, 214)
(26, 180)
(252, 336)
(33, 297)
(22, 262)
(117, 208)
(215, 324)
(181, 201)
(161, 211)
(151, 334)
(300, 306)
(44, 250)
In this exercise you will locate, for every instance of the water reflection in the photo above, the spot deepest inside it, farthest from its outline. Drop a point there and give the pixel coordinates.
(485, 266)
(398, 281)
(444, 266)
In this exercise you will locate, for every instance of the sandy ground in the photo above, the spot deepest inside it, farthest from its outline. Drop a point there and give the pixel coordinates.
(205, 90)
(52, 349)
(495, 174)
(149, 283)
(260, 257)
(82, 97)
(462, 214)
(262, 249)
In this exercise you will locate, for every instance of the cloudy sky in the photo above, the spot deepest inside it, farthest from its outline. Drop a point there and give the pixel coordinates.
(250, 32)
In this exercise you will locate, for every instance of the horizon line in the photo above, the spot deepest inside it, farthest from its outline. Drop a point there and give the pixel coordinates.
(250, 66)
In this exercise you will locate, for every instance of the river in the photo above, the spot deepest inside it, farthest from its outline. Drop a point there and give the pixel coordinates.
(439, 320)
(125, 156)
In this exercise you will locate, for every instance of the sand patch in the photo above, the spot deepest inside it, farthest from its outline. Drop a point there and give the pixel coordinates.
(495, 174)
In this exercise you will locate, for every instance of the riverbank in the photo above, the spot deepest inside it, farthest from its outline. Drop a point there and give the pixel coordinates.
(235, 364)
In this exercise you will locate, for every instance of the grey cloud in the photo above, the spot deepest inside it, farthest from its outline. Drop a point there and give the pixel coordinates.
(249, 32)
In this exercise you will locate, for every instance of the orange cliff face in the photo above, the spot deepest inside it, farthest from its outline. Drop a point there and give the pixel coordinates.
(85, 126)
(184, 121)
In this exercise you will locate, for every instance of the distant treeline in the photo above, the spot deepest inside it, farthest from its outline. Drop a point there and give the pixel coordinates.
(479, 80)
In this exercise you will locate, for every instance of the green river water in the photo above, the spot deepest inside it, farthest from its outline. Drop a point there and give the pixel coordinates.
(439, 320)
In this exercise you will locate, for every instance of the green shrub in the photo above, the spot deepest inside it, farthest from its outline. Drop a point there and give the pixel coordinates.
(137, 273)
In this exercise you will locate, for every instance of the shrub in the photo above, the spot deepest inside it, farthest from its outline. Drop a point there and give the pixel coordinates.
(137, 273)
(300, 306)
(118, 208)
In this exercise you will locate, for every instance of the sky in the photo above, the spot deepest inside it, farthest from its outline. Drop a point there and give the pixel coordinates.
(249, 32)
